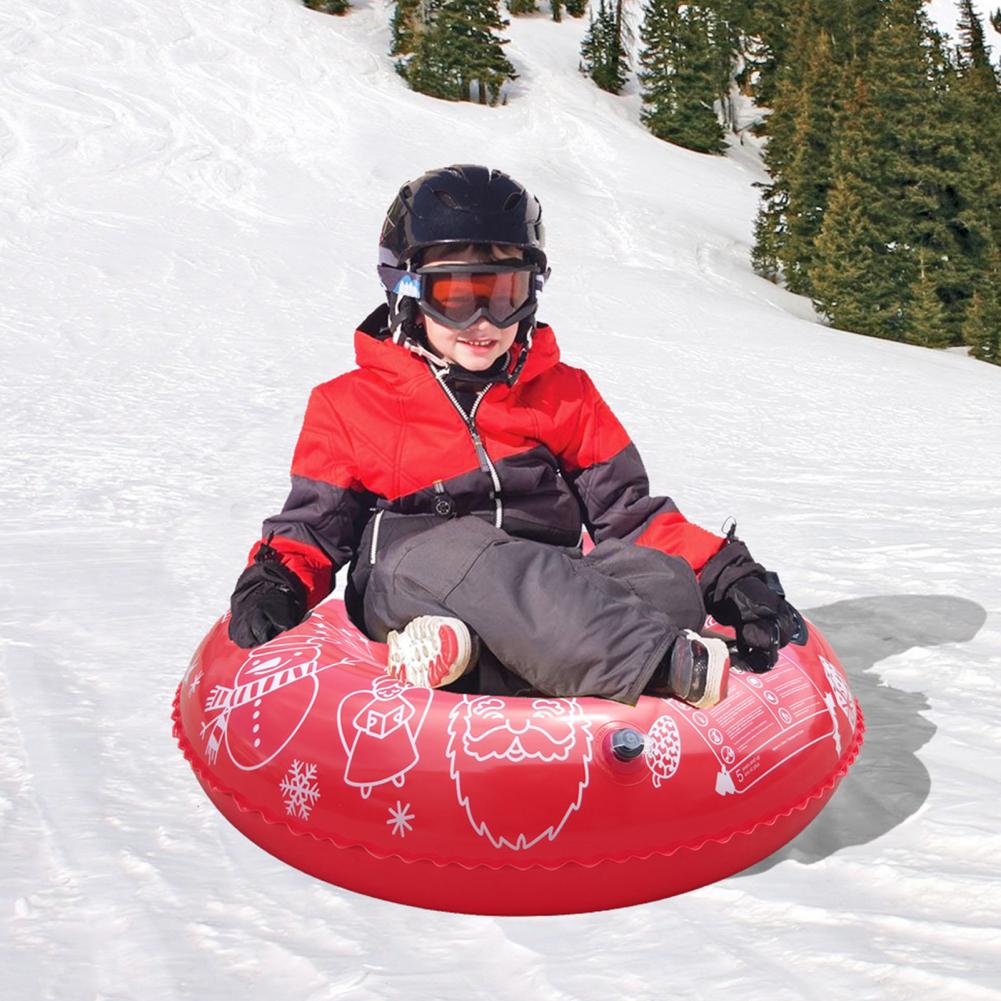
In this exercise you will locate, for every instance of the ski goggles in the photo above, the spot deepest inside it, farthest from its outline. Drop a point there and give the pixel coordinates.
(457, 295)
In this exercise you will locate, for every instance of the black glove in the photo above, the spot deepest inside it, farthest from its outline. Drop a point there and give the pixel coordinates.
(269, 598)
(740, 593)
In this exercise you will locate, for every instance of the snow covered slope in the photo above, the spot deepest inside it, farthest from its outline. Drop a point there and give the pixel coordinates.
(190, 195)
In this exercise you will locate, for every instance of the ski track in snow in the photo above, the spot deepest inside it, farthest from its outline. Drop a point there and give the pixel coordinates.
(190, 196)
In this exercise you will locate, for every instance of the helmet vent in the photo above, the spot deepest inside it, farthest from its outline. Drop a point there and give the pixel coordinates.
(448, 201)
(513, 200)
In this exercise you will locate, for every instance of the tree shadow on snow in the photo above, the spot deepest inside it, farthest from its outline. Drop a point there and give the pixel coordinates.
(888, 783)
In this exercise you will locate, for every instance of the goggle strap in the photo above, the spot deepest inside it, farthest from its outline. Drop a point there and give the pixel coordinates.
(476, 267)
(402, 284)
(399, 281)
(522, 355)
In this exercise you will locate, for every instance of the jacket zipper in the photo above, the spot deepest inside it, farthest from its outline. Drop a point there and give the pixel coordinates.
(481, 453)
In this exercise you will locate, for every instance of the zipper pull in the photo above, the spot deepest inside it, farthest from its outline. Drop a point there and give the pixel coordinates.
(481, 452)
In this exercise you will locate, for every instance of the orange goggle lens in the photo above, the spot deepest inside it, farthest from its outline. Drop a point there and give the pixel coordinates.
(459, 295)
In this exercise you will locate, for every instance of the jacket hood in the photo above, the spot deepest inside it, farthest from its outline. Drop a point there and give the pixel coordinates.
(376, 351)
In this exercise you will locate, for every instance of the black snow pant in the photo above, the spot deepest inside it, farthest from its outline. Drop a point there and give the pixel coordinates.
(551, 620)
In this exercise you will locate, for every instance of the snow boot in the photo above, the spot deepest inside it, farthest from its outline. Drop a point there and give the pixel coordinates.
(431, 651)
(695, 670)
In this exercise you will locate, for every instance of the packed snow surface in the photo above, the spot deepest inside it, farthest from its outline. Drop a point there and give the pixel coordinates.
(190, 195)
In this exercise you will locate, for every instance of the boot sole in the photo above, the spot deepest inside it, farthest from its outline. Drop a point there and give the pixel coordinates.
(429, 671)
(717, 673)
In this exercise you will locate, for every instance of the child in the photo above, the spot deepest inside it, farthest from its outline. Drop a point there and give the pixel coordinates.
(455, 470)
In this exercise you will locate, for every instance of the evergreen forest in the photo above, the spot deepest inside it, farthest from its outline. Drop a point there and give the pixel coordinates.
(881, 136)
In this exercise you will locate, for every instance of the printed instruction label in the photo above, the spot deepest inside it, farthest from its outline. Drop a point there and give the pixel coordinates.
(765, 720)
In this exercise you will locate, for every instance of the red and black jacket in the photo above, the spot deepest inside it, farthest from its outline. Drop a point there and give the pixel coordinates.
(387, 450)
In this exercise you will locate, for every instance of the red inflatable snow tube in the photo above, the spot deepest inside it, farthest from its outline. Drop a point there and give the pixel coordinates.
(482, 804)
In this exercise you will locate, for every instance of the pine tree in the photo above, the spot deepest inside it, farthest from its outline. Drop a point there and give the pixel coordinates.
(852, 26)
(821, 46)
(976, 97)
(982, 326)
(765, 23)
(849, 277)
(576, 8)
(925, 320)
(605, 61)
(808, 175)
(405, 26)
(592, 47)
(489, 68)
(901, 244)
(456, 55)
(431, 66)
(901, 148)
(522, 6)
(766, 250)
(844, 288)
(973, 50)
(328, 6)
(981, 329)
(969, 175)
(681, 75)
(603, 54)
(770, 43)
(658, 34)
(727, 45)
(912, 154)
(769, 256)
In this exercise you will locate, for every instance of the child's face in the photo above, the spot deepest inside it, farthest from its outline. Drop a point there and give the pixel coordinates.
(478, 346)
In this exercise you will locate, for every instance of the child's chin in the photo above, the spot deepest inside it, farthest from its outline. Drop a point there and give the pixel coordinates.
(475, 362)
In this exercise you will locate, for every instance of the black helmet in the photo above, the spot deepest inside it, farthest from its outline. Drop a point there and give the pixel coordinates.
(461, 204)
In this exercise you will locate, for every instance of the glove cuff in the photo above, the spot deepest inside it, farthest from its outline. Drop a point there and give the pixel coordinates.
(268, 571)
(732, 563)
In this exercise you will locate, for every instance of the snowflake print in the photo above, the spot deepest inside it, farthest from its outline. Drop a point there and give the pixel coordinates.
(300, 789)
(400, 818)
(195, 682)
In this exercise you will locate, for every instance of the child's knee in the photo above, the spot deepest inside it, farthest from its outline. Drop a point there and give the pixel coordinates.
(436, 562)
(670, 584)
(686, 599)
